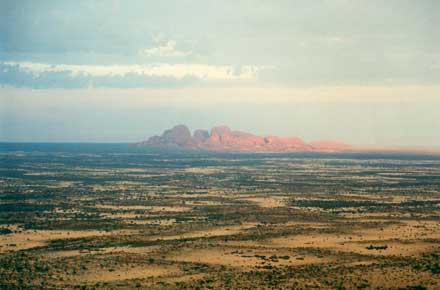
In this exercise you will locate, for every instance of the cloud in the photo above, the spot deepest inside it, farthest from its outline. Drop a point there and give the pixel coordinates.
(178, 71)
(163, 75)
(166, 50)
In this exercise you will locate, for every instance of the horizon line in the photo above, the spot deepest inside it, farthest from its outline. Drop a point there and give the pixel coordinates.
(357, 149)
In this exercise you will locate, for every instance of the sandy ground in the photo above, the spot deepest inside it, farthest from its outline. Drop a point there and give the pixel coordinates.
(203, 202)
(204, 170)
(30, 239)
(159, 222)
(401, 239)
(145, 208)
(243, 258)
(214, 232)
(111, 250)
(125, 273)
(267, 202)
(404, 239)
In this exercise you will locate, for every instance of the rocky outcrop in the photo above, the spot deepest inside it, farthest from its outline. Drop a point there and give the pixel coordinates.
(222, 138)
(178, 136)
(201, 136)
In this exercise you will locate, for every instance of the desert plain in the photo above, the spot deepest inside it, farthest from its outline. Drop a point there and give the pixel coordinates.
(122, 217)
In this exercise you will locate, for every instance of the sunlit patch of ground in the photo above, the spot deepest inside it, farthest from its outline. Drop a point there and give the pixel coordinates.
(41, 173)
(378, 216)
(214, 232)
(185, 278)
(244, 258)
(121, 215)
(65, 211)
(30, 239)
(127, 273)
(145, 208)
(203, 170)
(67, 253)
(158, 222)
(393, 248)
(267, 202)
(112, 250)
(400, 239)
(203, 203)
(405, 230)
(308, 224)
(62, 184)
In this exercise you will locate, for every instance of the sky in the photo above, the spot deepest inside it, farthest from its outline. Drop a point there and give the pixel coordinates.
(362, 72)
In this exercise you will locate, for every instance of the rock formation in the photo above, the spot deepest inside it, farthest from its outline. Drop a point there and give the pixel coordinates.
(222, 138)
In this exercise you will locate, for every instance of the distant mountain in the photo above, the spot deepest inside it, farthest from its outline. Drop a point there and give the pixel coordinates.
(222, 138)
